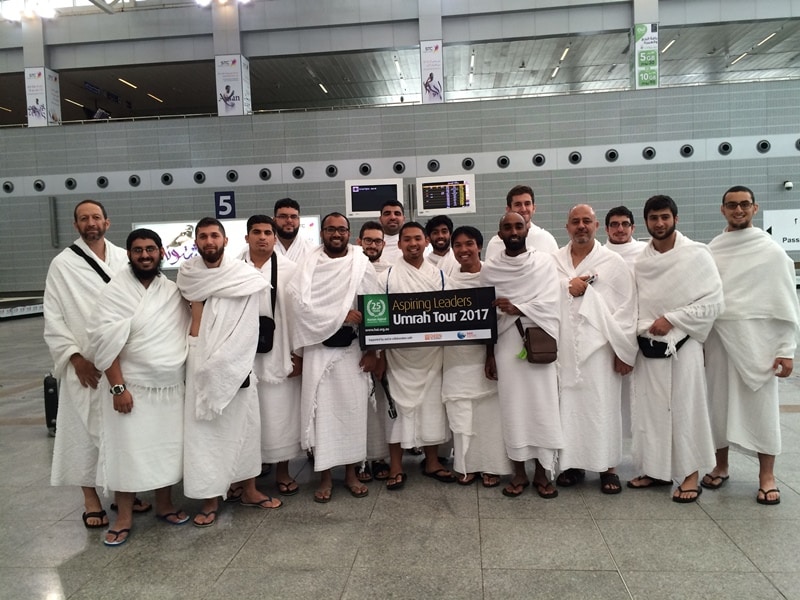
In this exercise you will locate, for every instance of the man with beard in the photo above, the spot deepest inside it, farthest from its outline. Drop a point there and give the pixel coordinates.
(753, 342)
(138, 337)
(527, 289)
(336, 383)
(287, 221)
(370, 238)
(597, 345)
(73, 284)
(392, 219)
(221, 424)
(415, 374)
(619, 229)
(680, 295)
(520, 200)
(438, 231)
(470, 398)
(277, 369)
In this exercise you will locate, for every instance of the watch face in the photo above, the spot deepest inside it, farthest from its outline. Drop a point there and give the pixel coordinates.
(117, 389)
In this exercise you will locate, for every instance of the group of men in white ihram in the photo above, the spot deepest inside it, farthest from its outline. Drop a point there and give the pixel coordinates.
(247, 361)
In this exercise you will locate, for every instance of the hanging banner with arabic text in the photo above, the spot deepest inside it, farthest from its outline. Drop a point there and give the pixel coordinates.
(645, 56)
(448, 317)
(431, 72)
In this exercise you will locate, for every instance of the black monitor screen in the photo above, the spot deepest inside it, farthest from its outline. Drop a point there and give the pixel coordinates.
(445, 194)
(370, 198)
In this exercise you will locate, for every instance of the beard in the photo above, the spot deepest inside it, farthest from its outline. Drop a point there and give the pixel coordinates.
(515, 245)
(662, 236)
(146, 274)
(332, 250)
(211, 256)
(287, 235)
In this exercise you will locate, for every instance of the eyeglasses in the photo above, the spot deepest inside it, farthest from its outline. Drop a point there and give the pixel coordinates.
(288, 217)
(371, 242)
(332, 230)
(744, 205)
(147, 249)
(623, 224)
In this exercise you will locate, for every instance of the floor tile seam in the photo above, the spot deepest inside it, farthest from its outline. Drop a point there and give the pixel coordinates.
(744, 553)
(606, 544)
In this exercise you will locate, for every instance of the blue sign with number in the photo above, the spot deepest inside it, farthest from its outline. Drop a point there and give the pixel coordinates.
(224, 205)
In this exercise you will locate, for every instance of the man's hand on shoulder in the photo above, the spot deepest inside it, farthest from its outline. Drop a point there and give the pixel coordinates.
(87, 373)
(783, 367)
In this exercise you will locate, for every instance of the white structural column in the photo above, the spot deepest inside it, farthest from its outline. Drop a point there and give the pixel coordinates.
(231, 68)
(42, 92)
(431, 51)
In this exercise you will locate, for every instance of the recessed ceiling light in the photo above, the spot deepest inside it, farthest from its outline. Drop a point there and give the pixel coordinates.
(322, 87)
(5, 109)
(73, 102)
(128, 83)
(739, 58)
(668, 46)
(564, 54)
(156, 98)
(554, 73)
(768, 38)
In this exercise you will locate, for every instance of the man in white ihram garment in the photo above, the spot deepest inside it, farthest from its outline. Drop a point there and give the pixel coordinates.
(526, 288)
(620, 227)
(70, 294)
(290, 243)
(415, 374)
(276, 367)
(392, 218)
(680, 296)
(470, 398)
(336, 384)
(520, 199)
(438, 231)
(221, 419)
(597, 346)
(138, 339)
(752, 343)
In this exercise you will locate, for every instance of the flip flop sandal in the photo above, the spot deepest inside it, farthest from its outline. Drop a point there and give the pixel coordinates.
(177, 514)
(211, 513)
(511, 489)
(95, 515)
(610, 479)
(116, 533)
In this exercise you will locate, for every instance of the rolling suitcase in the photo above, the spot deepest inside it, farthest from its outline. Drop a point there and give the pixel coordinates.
(50, 403)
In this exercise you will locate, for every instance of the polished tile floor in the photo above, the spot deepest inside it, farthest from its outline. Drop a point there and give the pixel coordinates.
(429, 540)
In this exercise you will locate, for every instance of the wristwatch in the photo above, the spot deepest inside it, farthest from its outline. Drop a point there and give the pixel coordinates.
(116, 390)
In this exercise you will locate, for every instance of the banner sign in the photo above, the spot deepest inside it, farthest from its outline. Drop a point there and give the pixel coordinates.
(233, 92)
(43, 97)
(645, 56)
(431, 72)
(443, 318)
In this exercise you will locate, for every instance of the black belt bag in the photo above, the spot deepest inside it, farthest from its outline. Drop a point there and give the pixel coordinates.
(341, 339)
(266, 334)
(654, 349)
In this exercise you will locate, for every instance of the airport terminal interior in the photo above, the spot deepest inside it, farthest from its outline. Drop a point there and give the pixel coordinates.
(552, 94)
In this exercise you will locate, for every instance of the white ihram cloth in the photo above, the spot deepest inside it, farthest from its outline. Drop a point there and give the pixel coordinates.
(221, 420)
(630, 251)
(447, 263)
(528, 392)
(415, 374)
(70, 294)
(296, 251)
(594, 328)
(391, 253)
(671, 429)
(759, 324)
(472, 403)
(335, 392)
(147, 328)
(538, 239)
(278, 394)
(377, 446)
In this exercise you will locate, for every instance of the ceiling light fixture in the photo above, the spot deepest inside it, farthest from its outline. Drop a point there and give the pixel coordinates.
(322, 87)
(16, 10)
(668, 46)
(5, 109)
(73, 102)
(564, 54)
(766, 39)
(128, 83)
(397, 66)
(470, 79)
(741, 56)
(472, 60)
(554, 73)
(156, 98)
